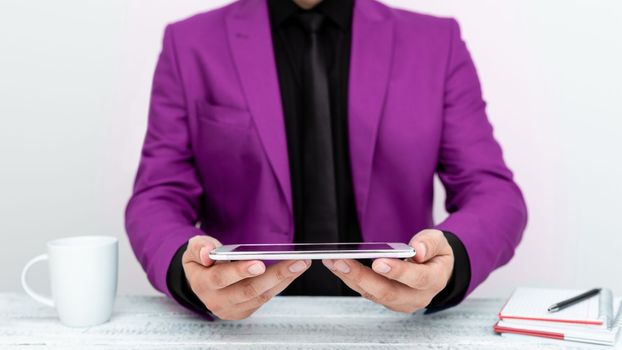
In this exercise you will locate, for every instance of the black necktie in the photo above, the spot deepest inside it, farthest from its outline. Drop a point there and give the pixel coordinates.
(318, 182)
(319, 197)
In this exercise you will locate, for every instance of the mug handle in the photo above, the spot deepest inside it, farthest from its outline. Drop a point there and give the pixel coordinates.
(36, 296)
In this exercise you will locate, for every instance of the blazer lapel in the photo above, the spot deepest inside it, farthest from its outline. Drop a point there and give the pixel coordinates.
(370, 64)
(250, 38)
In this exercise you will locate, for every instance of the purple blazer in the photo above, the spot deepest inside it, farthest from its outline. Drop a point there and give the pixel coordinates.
(215, 152)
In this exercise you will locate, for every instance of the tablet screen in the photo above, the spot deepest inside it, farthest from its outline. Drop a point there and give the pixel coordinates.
(312, 247)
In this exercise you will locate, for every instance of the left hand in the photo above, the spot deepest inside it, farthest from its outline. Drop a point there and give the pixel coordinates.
(402, 285)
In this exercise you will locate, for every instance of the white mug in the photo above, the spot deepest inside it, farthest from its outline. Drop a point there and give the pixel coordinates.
(83, 275)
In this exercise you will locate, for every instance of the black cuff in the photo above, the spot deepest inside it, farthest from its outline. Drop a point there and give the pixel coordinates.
(179, 287)
(460, 278)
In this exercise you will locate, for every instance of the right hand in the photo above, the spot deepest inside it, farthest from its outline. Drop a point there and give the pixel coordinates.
(234, 290)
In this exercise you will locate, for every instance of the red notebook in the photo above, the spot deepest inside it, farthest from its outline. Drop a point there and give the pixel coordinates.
(589, 321)
(532, 304)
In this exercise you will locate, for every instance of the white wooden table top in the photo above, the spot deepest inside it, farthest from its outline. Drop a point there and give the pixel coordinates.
(284, 323)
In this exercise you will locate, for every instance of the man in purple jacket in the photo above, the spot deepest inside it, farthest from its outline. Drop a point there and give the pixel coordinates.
(276, 121)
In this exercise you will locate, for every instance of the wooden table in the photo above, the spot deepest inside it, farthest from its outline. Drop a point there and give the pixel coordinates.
(284, 323)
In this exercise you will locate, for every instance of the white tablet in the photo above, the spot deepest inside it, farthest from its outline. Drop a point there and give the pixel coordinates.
(313, 251)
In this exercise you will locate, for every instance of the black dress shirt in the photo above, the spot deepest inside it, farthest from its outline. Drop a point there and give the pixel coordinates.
(289, 48)
(289, 41)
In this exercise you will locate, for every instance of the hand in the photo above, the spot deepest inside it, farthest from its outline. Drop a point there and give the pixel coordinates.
(403, 286)
(234, 290)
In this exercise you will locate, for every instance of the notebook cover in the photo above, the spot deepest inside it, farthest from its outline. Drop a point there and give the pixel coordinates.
(552, 335)
(530, 297)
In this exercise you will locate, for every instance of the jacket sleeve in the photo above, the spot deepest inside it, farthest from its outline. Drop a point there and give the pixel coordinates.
(486, 208)
(163, 210)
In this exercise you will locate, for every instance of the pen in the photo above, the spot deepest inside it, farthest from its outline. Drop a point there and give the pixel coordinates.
(565, 303)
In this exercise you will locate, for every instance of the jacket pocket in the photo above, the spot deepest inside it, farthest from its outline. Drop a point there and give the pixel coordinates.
(225, 115)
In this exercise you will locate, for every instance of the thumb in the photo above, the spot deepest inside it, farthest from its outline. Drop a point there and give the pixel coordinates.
(199, 248)
(428, 244)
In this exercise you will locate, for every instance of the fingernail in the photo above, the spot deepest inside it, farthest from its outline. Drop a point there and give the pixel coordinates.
(420, 250)
(297, 266)
(381, 267)
(328, 263)
(341, 266)
(203, 255)
(255, 269)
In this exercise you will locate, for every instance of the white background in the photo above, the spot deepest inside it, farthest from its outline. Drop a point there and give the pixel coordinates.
(74, 87)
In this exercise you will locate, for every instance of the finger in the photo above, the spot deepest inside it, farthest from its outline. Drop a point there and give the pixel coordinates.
(275, 274)
(329, 263)
(375, 287)
(198, 250)
(418, 276)
(234, 315)
(247, 308)
(223, 275)
(255, 303)
(428, 244)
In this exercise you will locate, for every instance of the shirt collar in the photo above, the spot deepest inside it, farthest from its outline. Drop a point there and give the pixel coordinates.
(339, 11)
